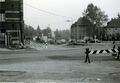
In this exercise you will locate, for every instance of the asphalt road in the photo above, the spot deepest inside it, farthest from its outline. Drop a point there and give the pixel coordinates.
(58, 64)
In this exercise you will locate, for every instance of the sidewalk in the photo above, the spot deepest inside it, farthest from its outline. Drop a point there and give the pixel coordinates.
(12, 49)
(4, 49)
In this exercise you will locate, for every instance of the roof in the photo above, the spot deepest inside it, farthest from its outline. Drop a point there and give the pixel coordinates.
(83, 21)
(74, 25)
(114, 23)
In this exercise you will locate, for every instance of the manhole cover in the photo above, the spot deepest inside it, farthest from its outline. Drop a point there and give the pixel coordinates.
(11, 73)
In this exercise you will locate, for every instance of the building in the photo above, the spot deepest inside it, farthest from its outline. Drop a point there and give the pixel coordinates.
(80, 29)
(11, 21)
(113, 29)
(73, 31)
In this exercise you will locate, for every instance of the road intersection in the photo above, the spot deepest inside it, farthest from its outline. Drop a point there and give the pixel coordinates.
(58, 63)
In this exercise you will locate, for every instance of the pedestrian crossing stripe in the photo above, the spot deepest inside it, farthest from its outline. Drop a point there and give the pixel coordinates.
(103, 51)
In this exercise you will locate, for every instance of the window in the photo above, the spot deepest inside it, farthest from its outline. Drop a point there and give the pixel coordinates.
(12, 6)
(3, 30)
(2, 17)
(2, 11)
(13, 25)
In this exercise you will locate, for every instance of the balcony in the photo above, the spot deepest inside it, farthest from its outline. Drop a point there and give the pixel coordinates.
(12, 11)
(12, 19)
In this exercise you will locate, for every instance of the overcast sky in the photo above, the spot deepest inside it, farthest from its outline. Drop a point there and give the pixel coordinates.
(70, 8)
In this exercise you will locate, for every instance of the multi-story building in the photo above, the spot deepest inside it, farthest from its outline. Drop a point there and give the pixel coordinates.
(80, 29)
(11, 21)
(113, 29)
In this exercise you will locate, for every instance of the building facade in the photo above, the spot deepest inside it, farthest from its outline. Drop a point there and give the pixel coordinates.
(80, 29)
(113, 29)
(11, 21)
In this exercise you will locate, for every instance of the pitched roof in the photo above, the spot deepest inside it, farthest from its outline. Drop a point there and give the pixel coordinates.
(74, 25)
(114, 23)
(83, 22)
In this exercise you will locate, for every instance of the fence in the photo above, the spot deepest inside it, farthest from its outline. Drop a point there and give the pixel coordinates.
(90, 52)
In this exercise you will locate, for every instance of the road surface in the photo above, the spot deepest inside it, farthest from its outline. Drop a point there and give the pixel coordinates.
(58, 64)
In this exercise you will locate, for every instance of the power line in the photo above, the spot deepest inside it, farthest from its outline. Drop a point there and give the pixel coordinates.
(51, 13)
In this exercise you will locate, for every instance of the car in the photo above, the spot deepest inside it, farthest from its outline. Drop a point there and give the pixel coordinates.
(18, 46)
(62, 41)
(80, 41)
(94, 41)
(72, 42)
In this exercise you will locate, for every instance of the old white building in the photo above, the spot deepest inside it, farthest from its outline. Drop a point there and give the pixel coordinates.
(113, 29)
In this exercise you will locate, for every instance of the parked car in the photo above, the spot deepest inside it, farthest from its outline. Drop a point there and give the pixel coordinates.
(62, 41)
(93, 41)
(72, 42)
(80, 41)
(51, 41)
(17, 46)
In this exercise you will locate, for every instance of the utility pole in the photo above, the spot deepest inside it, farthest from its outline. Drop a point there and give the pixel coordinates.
(21, 21)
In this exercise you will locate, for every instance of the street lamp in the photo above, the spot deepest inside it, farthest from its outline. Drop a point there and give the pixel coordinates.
(71, 21)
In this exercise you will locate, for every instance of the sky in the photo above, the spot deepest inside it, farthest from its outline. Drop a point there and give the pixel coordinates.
(64, 10)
